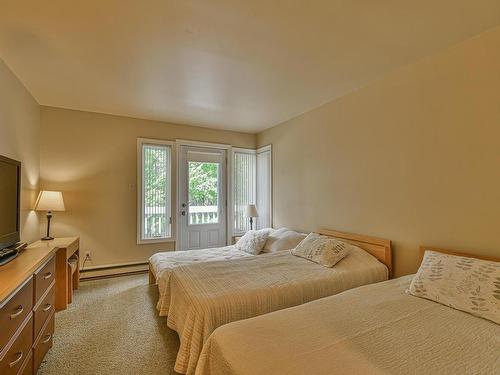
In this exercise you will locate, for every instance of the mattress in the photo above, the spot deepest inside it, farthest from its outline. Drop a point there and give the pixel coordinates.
(202, 297)
(162, 264)
(375, 329)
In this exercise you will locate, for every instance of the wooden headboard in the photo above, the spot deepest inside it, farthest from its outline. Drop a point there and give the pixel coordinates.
(453, 252)
(378, 247)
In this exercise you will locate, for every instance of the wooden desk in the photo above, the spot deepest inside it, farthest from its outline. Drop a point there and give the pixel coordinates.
(66, 248)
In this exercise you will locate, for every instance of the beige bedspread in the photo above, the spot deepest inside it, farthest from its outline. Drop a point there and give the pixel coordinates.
(375, 329)
(202, 297)
(162, 264)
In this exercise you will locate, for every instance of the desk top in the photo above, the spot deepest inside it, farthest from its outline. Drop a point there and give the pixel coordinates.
(60, 242)
(17, 271)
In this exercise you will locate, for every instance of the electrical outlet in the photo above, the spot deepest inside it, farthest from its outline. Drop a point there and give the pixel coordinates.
(87, 255)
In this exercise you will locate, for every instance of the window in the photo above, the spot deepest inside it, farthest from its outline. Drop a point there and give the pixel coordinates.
(154, 187)
(244, 187)
(251, 185)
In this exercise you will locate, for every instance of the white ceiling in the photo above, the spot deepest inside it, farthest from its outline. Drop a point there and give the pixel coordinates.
(239, 65)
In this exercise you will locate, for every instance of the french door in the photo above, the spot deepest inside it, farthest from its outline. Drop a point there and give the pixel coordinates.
(202, 197)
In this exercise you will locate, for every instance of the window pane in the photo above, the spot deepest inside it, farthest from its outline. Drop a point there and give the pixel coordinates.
(203, 192)
(244, 170)
(155, 192)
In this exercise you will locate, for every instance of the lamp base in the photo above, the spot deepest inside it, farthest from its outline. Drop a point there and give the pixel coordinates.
(48, 237)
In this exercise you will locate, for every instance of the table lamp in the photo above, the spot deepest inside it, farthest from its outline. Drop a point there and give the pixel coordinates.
(49, 201)
(251, 213)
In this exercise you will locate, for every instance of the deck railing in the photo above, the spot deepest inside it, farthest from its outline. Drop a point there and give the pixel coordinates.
(156, 223)
(203, 215)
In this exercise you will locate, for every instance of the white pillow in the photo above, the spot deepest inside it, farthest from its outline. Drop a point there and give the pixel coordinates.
(282, 239)
(466, 284)
(253, 241)
(324, 250)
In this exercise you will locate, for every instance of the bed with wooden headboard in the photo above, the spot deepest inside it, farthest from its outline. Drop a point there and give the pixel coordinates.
(378, 247)
(204, 296)
(423, 248)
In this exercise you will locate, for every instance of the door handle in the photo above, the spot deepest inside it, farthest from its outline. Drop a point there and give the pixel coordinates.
(183, 213)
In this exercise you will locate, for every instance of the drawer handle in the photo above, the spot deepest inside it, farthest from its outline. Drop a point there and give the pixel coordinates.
(48, 275)
(16, 361)
(47, 339)
(20, 310)
(47, 307)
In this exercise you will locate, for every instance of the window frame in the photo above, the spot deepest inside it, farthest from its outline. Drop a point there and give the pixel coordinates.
(260, 150)
(140, 189)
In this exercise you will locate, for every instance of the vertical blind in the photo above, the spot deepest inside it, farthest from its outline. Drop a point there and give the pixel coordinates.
(155, 202)
(264, 188)
(244, 188)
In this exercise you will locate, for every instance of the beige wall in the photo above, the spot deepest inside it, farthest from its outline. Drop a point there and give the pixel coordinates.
(91, 158)
(19, 139)
(414, 157)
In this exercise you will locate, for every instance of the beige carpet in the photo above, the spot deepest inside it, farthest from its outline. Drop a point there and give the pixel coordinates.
(112, 327)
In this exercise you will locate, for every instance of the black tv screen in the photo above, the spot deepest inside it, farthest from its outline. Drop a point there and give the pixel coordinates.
(10, 188)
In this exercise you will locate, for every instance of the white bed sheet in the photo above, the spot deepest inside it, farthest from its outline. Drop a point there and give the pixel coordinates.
(375, 329)
(162, 264)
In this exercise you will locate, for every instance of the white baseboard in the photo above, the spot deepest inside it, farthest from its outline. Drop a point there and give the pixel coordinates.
(112, 269)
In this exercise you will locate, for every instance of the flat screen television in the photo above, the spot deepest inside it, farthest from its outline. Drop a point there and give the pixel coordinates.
(10, 201)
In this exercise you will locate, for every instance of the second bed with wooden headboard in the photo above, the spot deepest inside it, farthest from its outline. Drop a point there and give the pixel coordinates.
(202, 297)
(374, 329)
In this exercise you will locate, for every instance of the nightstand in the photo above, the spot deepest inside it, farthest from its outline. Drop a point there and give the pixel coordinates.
(236, 238)
(67, 247)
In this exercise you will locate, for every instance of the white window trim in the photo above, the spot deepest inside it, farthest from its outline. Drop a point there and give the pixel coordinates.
(184, 142)
(262, 149)
(140, 142)
(229, 195)
(229, 184)
(265, 148)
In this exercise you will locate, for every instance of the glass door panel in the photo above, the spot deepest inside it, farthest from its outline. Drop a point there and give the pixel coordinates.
(203, 192)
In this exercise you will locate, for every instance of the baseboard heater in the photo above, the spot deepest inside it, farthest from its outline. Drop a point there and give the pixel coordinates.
(113, 270)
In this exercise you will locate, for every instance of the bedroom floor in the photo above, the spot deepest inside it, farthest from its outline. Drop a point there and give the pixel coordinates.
(112, 327)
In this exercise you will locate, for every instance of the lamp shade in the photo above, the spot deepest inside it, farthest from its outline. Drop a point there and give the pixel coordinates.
(50, 201)
(252, 211)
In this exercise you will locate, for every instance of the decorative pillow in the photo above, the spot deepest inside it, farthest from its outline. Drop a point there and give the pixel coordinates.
(274, 236)
(323, 250)
(282, 239)
(253, 241)
(466, 284)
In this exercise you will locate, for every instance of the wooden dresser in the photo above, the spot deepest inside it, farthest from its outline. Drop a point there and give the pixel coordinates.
(27, 307)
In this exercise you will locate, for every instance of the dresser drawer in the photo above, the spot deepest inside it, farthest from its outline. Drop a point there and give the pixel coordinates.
(44, 277)
(27, 368)
(43, 344)
(44, 310)
(14, 358)
(13, 313)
